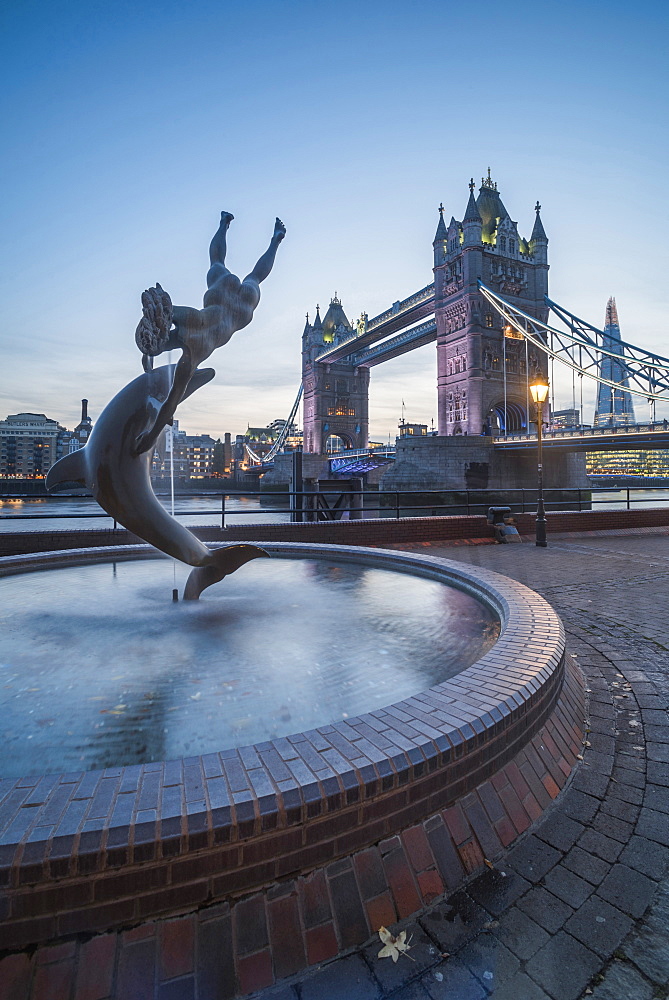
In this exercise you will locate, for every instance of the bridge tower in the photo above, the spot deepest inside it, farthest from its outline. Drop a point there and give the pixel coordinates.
(482, 370)
(336, 394)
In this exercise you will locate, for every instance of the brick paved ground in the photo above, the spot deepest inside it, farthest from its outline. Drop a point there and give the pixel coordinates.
(580, 907)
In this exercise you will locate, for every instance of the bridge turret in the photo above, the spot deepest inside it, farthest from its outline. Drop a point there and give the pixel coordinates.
(472, 223)
(538, 239)
(440, 239)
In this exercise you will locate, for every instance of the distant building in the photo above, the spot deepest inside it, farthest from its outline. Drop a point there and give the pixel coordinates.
(200, 454)
(561, 419)
(412, 430)
(644, 464)
(174, 455)
(28, 445)
(614, 405)
(69, 441)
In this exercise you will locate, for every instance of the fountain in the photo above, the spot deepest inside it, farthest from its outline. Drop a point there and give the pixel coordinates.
(356, 738)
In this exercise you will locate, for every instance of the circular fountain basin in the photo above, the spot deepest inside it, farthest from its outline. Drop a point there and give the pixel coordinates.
(102, 850)
(100, 668)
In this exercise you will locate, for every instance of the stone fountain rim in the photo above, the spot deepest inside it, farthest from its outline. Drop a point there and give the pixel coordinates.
(330, 788)
(504, 596)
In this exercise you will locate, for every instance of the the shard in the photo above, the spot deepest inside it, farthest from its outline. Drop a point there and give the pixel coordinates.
(614, 402)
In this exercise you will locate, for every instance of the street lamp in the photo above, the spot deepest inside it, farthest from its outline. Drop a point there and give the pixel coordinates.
(539, 393)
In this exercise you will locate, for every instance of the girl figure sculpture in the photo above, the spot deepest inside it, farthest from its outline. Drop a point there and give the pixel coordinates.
(228, 306)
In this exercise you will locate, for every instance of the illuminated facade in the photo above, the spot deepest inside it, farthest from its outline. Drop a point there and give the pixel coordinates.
(336, 394)
(483, 369)
(28, 445)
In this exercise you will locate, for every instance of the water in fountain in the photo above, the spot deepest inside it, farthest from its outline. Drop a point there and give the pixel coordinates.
(98, 669)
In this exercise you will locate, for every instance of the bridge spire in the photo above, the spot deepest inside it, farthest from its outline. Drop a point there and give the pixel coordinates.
(472, 222)
(538, 231)
(317, 322)
(440, 234)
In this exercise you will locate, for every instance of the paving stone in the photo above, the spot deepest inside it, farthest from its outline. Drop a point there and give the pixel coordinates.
(545, 908)
(648, 948)
(453, 923)
(564, 966)
(451, 980)
(532, 858)
(412, 991)
(495, 890)
(627, 811)
(622, 982)
(658, 751)
(599, 926)
(628, 793)
(579, 806)
(521, 935)
(657, 797)
(629, 890)
(491, 962)
(658, 773)
(520, 987)
(589, 781)
(346, 977)
(392, 975)
(586, 865)
(568, 886)
(560, 831)
(646, 856)
(613, 827)
(603, 847)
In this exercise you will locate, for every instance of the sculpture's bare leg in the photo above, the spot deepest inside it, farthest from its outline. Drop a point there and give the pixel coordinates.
(266, 262)
(218, 249)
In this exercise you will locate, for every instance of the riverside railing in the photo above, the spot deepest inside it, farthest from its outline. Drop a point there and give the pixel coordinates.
(330, 505)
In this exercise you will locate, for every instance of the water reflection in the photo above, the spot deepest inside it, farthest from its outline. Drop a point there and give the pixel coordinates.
(98, 667)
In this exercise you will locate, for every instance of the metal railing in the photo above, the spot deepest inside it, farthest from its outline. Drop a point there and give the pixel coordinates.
(328, 505)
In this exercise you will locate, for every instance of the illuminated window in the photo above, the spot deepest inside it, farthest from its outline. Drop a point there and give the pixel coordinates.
(488, 320)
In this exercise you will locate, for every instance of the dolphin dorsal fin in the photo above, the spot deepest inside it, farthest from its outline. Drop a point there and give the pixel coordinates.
(68, 469)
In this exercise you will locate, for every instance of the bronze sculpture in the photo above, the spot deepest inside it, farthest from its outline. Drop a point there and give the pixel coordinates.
(115, 463)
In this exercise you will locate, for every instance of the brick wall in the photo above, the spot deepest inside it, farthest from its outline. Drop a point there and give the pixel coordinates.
(380, 531)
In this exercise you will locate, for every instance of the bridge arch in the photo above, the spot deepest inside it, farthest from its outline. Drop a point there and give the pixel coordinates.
(508, 416)
(336, 441)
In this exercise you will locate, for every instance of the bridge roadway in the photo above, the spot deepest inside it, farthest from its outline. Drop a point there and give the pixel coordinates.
(400, 315)
(637, 437)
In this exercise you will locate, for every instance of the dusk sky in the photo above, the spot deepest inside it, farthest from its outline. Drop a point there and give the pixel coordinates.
(128, 127)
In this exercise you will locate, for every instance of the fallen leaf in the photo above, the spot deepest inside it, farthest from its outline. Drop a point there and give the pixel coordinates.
(393, 947)
(490, 925)
(579, 756)
(489, 864)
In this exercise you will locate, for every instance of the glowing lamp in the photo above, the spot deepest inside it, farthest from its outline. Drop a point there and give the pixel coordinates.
(539, 389)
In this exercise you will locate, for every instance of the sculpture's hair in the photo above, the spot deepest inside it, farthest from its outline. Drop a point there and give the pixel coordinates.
(153, 330)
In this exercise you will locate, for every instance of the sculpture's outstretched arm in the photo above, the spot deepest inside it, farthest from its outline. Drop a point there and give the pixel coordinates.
(266, 262)
(182, 376)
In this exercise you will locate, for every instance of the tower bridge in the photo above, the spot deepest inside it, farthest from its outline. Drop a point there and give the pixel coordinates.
(487, 309)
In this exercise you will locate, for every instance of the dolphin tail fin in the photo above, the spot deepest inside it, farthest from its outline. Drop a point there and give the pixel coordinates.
(223, 562)
(67, 470)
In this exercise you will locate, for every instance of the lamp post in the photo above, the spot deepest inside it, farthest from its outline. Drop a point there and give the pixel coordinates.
(539, 393)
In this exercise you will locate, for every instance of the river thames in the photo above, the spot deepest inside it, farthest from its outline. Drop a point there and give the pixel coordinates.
(69, 513)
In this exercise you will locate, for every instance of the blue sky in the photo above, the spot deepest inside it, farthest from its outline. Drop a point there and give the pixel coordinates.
(128, 127)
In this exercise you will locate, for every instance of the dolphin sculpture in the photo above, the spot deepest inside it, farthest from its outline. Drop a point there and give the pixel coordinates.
(116, 470)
